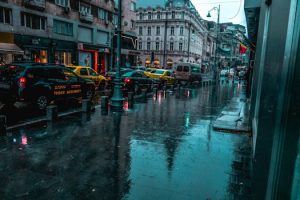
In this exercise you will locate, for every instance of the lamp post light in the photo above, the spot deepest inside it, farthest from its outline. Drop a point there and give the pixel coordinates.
(217, 33)
(117, 98)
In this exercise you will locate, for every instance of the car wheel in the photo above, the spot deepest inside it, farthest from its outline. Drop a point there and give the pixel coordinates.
(42, 102)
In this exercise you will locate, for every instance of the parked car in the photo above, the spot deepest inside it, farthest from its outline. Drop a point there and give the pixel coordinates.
(187, 72)
(136, 81)
(165, 76)
(41, 84)
(86, 72)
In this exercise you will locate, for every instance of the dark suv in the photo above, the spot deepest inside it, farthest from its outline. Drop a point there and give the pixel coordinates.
(40, 84)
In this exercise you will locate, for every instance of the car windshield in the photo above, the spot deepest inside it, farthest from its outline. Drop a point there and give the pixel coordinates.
(159, 72)
(72, 68)
(128, 74)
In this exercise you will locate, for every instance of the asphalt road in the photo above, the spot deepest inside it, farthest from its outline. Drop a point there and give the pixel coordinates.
(163, 149)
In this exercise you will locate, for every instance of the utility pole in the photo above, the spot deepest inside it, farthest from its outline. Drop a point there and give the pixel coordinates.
(117, 98)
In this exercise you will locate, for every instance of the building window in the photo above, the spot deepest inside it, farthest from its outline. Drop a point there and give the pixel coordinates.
(63, 28)
(5, 15)
(63, 3)
(140, 45)
(148, 45)
(181, 30)
(115, 19)
(140, 30)
(157, 46)
(158, 30)
(171, 46)
(132, 24)
(85, 9)
(180, 46)
(149, 30)
(102, 14)
(158, 15)
(172, 30)
(133, 6)
(149, 15)
(182, 15)
(141, 16)
(33, 21)
(173, 14)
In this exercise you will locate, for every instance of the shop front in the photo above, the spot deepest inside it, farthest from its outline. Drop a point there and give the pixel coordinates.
(45, 50)
(9, 51)
(93, 56)
(169, 63)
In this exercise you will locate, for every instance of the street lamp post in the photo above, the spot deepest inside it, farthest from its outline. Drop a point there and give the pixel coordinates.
(217, 32)
(117, 98)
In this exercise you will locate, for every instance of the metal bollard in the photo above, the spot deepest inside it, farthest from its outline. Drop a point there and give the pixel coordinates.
(144, 95)
(164, 88)
(86, 106)
(104, 102)
(155, 92)
(52, 113)
(3, 125)
(130, 99)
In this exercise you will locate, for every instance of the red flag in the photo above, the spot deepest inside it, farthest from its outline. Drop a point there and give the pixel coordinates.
(243, 48)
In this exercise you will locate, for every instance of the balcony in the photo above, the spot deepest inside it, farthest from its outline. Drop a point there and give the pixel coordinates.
(86, 17)
(36, 4)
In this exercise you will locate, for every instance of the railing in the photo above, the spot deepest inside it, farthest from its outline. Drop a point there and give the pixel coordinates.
(86, 17)
(39, 4)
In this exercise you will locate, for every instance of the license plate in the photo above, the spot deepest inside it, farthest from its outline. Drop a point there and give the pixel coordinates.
(4, 86)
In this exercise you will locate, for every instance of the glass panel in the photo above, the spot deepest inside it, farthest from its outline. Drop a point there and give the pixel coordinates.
(83, 72)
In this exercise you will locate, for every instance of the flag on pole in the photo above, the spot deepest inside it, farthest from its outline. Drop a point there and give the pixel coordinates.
(243, 48)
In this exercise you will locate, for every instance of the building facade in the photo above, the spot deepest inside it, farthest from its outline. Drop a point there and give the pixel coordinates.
(171, 34)
(58, 31)
(274, 31)
(129, 51)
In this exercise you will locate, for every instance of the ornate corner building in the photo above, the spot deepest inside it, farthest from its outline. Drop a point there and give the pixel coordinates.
(172, 33)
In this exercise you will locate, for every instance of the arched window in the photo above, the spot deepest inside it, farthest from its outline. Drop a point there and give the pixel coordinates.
(148, 44)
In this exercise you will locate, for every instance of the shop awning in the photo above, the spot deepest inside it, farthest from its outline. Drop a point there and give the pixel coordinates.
(10, 48)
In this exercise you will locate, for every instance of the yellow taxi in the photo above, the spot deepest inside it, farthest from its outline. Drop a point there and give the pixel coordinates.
(162, 74)
(89, 73)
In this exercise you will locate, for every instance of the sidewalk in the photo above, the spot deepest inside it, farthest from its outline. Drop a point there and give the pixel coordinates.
(234, 116)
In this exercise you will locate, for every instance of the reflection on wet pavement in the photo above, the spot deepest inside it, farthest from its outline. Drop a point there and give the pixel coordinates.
(165, 149)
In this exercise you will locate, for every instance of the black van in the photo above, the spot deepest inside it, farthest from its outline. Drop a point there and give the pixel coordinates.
(40, 84)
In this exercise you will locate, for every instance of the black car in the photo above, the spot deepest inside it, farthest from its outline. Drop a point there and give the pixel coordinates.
(136, 80)
(39, 84)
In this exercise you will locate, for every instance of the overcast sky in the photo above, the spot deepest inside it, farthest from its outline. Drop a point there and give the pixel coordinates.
(231, 10)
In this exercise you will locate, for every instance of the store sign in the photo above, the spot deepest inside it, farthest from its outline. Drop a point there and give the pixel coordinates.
(35, 41)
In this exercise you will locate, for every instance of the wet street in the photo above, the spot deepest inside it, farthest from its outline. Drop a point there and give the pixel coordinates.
(164, 149)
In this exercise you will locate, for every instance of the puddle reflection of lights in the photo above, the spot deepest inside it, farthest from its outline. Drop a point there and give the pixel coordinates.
(125, 105)
(159, 98)
(188, 94)
(187, 120)
(24, 140)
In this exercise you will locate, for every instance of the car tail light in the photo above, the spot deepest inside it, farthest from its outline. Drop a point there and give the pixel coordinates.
(22, 82)
(127, 80)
